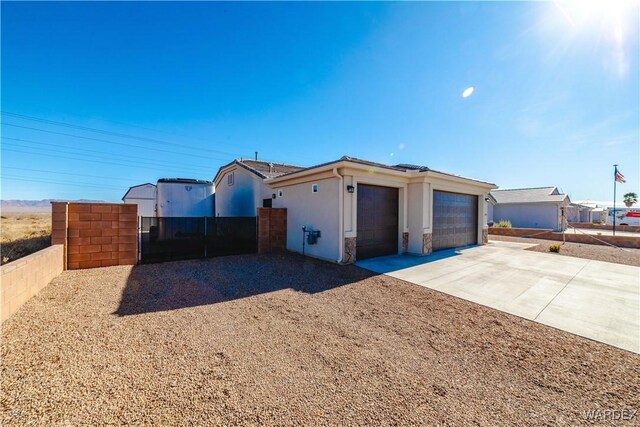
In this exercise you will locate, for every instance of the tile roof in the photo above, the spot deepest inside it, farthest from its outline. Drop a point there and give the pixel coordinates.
(413, 167)
(529, 195)
(268, 169)
(400, 167)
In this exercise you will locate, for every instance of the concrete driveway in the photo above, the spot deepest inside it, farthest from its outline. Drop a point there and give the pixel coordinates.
(594, 299)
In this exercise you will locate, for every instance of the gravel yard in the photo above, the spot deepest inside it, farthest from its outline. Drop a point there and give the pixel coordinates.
(284, 340)
(580, 250)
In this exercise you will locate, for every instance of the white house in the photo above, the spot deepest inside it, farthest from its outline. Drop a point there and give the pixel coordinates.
(363, 209)
(599, 209)
(241, 187)
(577, 212)
(143, 195)
(530, 207)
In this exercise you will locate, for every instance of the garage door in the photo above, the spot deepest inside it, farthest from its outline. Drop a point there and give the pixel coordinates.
(455, 220)
(377, 221)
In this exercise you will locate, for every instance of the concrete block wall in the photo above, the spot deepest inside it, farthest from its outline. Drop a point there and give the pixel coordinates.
(519, 232)
(619, 241)
(272, 229)
(96, 234)
(631, 228)
(23, 278)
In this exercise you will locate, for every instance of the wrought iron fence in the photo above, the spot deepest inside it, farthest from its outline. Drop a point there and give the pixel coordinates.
(178, 238)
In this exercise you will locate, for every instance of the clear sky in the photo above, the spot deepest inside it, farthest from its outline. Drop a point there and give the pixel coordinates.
(97, 97)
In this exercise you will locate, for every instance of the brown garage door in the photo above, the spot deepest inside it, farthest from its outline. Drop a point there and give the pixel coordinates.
(455, 220)
(377, 221)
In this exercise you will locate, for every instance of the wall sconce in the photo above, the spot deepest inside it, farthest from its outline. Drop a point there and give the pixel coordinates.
(486, 199)
(351, 188)
(273, 196)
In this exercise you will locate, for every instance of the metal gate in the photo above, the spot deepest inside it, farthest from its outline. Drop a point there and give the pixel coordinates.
(178, 238)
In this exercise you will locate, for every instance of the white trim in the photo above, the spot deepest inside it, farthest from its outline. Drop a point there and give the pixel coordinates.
(340, 214)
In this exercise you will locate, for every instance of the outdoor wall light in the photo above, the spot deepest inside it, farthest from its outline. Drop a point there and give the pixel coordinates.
(273, 196)
(351, 188)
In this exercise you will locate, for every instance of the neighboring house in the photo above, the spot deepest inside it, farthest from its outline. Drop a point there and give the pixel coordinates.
(578, 213)
(490, 202)
(364, 209)
(598, 209)
(531, 207)
(143, 195)
(241, 188)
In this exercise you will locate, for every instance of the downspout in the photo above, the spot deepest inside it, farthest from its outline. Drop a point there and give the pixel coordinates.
(340, 215)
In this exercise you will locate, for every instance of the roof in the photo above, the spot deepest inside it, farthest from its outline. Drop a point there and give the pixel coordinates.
(268, 169)
(136, 186)
(529, 195)
(261, 168)
(412, 167)
(360, 161)
(183, 181)
(579, 205)
(399, 168)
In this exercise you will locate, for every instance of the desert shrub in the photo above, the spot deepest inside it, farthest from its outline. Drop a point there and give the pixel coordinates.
(503, 223)
(554, 248)
(21, 235)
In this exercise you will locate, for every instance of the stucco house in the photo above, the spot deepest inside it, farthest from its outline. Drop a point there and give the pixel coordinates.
(577, 212)
(530, 207)
(364, 209)
(241, 188)
(490, 202)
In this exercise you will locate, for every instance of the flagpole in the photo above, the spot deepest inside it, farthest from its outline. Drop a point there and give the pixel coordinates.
(615, 181)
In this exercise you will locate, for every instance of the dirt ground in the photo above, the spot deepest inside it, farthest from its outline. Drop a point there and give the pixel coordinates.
(580, 250)
(22, 234)
(284, 340)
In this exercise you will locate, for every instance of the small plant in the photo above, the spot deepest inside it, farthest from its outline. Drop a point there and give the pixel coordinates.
(503, 224)
(555, 248)
(630, 199)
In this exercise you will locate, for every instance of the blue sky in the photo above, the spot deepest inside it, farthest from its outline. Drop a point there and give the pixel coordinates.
(179, 89)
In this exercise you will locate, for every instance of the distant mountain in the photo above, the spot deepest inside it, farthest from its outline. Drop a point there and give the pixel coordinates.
(34, 206)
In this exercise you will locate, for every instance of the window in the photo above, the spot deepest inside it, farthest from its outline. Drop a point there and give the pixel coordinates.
(230, 179)
(279, 193)
(314, 188)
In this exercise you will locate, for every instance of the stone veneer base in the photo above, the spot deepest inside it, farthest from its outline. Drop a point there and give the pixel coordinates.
(427, 244)
(349, 256)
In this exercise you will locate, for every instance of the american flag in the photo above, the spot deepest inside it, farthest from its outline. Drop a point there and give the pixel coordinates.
(620, 177)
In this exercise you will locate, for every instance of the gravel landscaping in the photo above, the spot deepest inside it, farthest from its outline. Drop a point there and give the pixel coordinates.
(580, 250)
(284, 340)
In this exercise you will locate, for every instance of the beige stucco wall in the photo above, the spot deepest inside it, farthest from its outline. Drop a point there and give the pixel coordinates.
(356, 177)
(22, 279)
(243, 197)
(317, 211)
(320, 210)
(419, 218)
